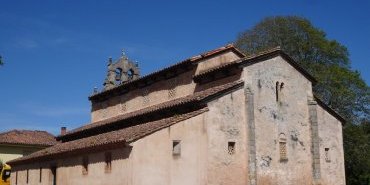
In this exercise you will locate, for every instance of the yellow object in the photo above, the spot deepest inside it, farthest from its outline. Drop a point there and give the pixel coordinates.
(5, 174)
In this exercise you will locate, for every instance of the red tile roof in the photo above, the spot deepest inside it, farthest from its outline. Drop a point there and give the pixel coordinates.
(192, 99)
(27, 137)
(189, 61)
(104, 141)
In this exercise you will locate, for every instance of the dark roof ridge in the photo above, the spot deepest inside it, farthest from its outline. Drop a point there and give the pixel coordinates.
(183, 62)
(196, 97)
(23, 130)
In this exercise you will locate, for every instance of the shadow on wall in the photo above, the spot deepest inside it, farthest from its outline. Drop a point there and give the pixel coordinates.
(93, 158)
(216, 82)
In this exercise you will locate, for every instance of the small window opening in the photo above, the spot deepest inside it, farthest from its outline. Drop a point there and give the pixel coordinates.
(27, 176)
(231, 148)
(176, 147)
(327, 155)
(281, 86)
(283, 147)
(277, 91)
(283, 151)
(108, 162)
(85, 165)
(40, 178)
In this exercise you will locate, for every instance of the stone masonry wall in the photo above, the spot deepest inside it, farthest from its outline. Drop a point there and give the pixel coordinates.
(204, 158)
(157, 92)
(225, 123)
(281, 123)
(331, 149)
(260, 134)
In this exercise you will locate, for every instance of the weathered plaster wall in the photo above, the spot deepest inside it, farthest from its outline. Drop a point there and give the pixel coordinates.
(288, 117)
(159, 166)
(330, 135)
(69, 171)
(149, 161)
(205, 158)
(19, 174)
(216, 60)
(204, 155)
(225, 123)
(157, 92)
(8, 153)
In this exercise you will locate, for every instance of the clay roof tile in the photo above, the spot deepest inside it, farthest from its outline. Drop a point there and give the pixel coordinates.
(27, 137)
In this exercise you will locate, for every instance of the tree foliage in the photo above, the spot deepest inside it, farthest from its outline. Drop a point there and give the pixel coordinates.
(357, 150)
(338, 85)
(1, 61)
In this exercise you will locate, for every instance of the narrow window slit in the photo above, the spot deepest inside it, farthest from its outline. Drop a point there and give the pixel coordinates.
(277, 91)
(327, 155)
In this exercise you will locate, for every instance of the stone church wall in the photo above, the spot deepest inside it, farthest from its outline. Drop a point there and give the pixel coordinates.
(282, 132)
(331, 148)
(225, 123)
(157, 92)
(260, 134)
(205, 156)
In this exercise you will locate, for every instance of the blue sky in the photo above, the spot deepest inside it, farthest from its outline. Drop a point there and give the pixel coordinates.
(56, 51)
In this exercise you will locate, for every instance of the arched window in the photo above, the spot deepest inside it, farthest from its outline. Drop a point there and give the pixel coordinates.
(118, 76)
(130, 74)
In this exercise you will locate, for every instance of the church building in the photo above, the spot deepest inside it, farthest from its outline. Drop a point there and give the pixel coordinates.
(217, 118)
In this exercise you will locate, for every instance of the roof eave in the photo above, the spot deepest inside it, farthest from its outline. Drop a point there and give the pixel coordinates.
(65, 154)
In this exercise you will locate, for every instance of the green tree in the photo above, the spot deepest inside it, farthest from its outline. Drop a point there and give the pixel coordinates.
(338, 85)
(1, 61)
(357, 149)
